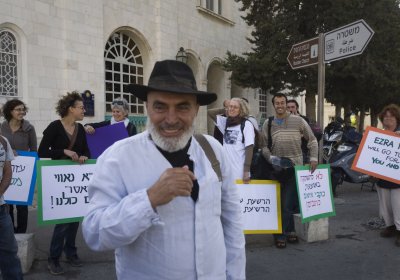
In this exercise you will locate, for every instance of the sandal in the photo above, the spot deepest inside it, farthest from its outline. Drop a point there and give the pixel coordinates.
(292, 238)
(280, 243)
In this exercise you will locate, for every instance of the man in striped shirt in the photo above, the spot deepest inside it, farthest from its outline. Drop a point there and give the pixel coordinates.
(286, 132)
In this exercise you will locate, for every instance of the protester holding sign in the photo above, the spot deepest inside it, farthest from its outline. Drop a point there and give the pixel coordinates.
(120, 111)
(22, 136)
(389, 192)
(65, 139)
(239, 136)
(283, 133)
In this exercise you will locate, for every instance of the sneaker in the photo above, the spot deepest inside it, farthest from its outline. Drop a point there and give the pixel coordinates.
(388, 231)
(54, 267)
(74, 261)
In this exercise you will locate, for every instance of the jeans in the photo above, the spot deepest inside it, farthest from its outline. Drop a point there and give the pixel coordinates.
(63, 239)
(10, 264)
(22, 218)
(289, 204)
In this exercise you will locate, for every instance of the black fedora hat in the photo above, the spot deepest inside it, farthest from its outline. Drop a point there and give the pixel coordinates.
(174, 77)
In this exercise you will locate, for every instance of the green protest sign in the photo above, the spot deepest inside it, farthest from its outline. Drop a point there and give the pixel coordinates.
(315, 192)
(62, 190)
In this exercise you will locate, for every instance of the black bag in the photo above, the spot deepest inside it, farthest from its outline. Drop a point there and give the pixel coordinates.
(260, 168)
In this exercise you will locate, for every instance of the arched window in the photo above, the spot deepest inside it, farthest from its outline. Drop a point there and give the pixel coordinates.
(8, 64)
(123, 65)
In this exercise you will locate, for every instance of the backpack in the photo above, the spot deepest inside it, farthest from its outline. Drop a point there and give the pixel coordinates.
(4, 143)
(260, 168)
(257, 136)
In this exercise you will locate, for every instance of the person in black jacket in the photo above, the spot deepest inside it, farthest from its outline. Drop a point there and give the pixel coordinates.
(120, 111)
(65, 139)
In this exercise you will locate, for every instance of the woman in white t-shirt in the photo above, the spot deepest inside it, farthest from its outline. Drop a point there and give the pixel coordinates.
(238, 134)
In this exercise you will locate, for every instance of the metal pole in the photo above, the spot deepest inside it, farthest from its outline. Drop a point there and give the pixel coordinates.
(321, 90)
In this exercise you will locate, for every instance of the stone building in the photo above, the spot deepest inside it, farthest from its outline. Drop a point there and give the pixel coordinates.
(50, 47)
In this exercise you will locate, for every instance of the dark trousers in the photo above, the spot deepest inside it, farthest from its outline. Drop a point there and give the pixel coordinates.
(10, 265)
(289, 204)
(22, 218)
(63, 239)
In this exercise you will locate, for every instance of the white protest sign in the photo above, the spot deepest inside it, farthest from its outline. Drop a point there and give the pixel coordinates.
(314, 190)
(260, 206)
(379, 155)
(63, 194)
(22, 186)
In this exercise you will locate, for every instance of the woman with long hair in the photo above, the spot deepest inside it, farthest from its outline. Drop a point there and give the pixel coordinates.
(65, 139)
(22, 136)
(238, 135)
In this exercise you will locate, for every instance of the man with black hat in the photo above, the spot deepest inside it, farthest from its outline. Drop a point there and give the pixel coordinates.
(156, 198)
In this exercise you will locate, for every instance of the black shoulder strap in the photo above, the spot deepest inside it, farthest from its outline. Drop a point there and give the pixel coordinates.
(4, 143)
(242, 124)
(208, 150)
(269, 132)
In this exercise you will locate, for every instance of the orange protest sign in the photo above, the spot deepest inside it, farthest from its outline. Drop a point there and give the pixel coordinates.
(379, 155)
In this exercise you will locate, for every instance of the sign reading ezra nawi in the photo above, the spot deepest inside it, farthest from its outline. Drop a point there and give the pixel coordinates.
(346, 41)
(379, 155)
(304, 54)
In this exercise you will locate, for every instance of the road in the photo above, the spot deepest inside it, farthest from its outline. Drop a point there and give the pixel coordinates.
(354, 250)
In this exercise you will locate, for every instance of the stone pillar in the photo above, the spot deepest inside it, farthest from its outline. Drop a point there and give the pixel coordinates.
(312, 231)
(26, 250)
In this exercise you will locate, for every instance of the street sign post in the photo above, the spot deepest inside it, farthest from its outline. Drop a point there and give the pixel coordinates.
(346, 41)
(343, 42)
(304, 54)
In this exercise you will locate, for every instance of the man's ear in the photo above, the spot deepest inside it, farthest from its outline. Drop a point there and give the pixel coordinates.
(197, 109)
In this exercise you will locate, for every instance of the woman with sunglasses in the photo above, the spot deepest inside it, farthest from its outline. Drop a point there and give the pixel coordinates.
(22, 136)
(120, 111)
(65, 139)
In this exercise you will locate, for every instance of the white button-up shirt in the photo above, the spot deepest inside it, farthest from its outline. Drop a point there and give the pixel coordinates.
(182, 239)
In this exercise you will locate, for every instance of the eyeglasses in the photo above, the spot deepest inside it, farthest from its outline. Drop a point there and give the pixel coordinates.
(80, 107)
(118, 102)
(20, 109)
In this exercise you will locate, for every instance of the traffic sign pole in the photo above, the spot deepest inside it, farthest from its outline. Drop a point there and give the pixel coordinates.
(321, 90)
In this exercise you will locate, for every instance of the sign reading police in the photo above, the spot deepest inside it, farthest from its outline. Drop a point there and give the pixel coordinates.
(346, 41)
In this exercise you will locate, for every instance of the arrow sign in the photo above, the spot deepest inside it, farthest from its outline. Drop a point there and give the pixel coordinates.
(346, 41)
(304, 54)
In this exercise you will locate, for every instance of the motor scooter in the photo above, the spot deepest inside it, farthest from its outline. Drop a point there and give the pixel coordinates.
(341, 157)
(332, 136)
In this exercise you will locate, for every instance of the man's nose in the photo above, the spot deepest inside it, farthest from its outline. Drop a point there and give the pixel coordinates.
(171, 116)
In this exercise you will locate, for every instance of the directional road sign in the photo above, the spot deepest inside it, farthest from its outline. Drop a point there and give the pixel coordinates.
(304, 54)
(346, 41)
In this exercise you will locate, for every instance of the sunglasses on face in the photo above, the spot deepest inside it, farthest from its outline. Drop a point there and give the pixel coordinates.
(118, 102)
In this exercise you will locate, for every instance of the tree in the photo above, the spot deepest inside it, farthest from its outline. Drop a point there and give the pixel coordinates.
(349, 82)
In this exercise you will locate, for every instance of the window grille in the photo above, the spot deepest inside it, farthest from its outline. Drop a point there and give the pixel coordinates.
(8, 64)
(123, 65)
(262, 97)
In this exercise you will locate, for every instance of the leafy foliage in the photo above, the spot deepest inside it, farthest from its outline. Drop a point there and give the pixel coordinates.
(370, 80)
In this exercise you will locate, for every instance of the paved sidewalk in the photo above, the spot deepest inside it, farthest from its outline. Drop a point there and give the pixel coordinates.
(354, 251)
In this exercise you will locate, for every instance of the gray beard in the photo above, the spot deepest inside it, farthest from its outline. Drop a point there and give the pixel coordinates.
(169, 144)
